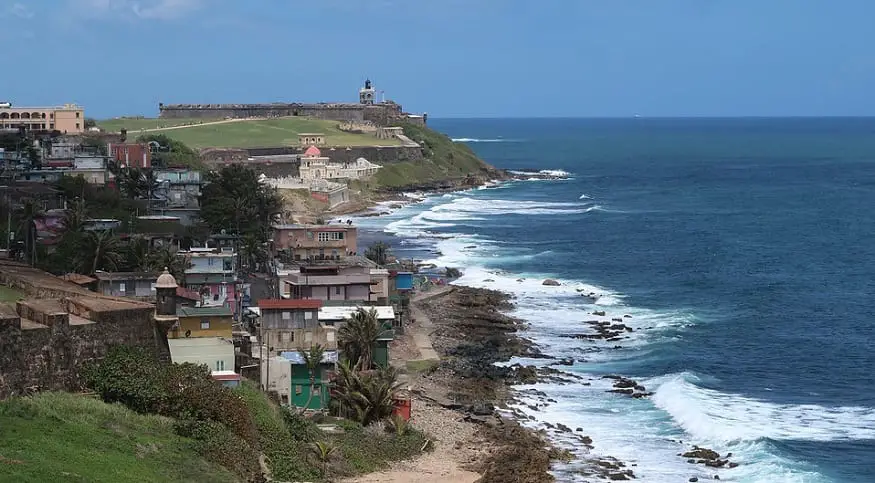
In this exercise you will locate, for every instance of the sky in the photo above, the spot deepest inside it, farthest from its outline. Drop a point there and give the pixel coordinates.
(450, 58)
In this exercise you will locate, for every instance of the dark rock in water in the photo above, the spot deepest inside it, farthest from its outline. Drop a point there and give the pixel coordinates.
(716, 477)
(617, 476)
(612, 376)
(579, 429)
(563, 427)
(471, 246)
(692, 462)
(616, 320)
(628, 329)
(567, 361)
(729, 455)
(693, 479)
(716, 463)
(600, 313)
(489, 280)
(702, 453)
(586, 440)
(627, 316)
(624, 383)
(551, 282)
(733, 465)
(639, 395)
(623, 391)
(520, 280)
(640, 388)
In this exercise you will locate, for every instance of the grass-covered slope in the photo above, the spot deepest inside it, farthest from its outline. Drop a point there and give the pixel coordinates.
(65, 437)
(245, 133)
(445, 161)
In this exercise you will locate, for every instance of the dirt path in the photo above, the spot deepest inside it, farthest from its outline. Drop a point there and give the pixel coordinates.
(422, 327)
(183, 126)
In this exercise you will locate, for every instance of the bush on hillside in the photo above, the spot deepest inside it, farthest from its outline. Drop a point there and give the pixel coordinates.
(216, 443)
(365, 450)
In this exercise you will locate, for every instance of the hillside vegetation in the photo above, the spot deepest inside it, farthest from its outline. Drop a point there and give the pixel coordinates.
(248, 133)
(66, 437)
(444, 161)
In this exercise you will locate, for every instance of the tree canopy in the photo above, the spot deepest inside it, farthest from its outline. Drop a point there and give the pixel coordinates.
(236, 201)
(171, 153)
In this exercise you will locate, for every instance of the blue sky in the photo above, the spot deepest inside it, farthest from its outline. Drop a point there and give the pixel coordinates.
(451, 58)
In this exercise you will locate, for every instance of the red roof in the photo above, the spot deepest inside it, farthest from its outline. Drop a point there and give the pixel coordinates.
(187, 294)
(289, 304)
(313, 151)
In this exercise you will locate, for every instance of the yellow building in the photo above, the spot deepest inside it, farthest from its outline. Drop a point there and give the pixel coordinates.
(68, 118)
(197, 322)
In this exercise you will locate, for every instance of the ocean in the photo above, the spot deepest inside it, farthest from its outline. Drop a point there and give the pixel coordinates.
(742, 250)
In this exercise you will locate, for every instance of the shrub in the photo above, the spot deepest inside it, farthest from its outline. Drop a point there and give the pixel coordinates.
(364, 450)
(133, 377)
(218, 444)
(299, 426)
(365, 397)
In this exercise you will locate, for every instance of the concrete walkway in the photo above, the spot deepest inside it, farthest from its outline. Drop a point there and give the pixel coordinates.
(422, 326)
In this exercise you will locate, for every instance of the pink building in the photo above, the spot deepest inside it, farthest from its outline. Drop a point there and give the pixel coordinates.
(315, 242)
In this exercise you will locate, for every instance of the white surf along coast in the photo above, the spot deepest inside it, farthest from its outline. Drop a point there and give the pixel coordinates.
(648, 433)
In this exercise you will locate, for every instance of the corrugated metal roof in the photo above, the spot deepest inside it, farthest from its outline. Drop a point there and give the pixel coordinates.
(288, 304)
(218, 311)
(342, 313)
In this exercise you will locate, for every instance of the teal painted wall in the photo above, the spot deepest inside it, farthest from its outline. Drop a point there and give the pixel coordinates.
(301, 387)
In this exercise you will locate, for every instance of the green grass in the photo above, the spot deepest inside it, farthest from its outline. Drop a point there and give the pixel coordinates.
(135, 124)
(444, 160)
(10, 295)
(65, 437)
(260, 133)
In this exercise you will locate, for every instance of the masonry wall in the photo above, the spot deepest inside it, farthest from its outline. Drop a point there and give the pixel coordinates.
(50, 356)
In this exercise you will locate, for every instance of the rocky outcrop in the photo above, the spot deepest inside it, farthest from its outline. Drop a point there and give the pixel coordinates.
(550, 282)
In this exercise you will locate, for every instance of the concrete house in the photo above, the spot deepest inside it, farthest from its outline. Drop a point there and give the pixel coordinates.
(287, 327)
(330, 283)
(336, 316)
(126, 284)
(203, 336)
(315, 242)
(179, 191)
(213, 274)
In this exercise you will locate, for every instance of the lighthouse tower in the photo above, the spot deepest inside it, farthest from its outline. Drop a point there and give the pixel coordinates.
(367, 94)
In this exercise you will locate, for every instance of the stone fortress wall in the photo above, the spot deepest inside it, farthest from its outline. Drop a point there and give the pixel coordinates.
(44, 342)
(380, 114)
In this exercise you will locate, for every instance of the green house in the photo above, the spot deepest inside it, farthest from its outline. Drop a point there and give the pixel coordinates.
(300, 381)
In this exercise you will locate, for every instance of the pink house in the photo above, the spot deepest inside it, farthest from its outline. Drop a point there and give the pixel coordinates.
(315, 242)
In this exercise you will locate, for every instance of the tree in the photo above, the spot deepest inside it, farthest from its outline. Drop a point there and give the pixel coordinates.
(90, 123)
(357, 337)
(101, 250)
(31, 210)
(171, 153)
(365, 397)
(138, 256)
(312, 359)
(323, 451)
(378, 253)
(168, 257)
(236, 201)
(137, 183)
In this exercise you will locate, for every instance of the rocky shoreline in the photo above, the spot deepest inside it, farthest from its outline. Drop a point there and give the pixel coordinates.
(471, 333)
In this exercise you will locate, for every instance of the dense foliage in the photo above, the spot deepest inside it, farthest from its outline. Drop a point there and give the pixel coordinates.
(378, 253)
(236, 201)
(171, 153)
(357, 337)
(366, 397)
(133, 377)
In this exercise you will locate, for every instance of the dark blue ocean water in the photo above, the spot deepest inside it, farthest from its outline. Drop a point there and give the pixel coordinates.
(741, 248)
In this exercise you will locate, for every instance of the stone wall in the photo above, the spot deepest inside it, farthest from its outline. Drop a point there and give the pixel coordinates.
(44, 347)
(45, 340)
(380, 114)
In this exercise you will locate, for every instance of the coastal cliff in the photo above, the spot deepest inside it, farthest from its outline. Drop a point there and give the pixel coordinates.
(444, 165)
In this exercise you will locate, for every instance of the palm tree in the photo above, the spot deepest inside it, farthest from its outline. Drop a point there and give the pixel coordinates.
(357, 337)
(312, 359)
(138, 255)
(74, 217)
(169, 257)
(100, 251)
(365, 397)
(31, 210)
(378, 253)
(323, 451)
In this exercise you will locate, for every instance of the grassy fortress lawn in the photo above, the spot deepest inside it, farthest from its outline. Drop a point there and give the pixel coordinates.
(248, 133)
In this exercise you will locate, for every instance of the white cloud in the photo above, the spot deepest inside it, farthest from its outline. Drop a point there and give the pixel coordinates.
(136, 9)
(19, 10)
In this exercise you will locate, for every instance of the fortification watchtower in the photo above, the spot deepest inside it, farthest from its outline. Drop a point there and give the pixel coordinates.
(165, 291)
(367, 94)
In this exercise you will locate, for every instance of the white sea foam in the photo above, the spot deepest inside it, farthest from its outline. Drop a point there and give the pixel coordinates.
(714, 417)
(644, 432)
(476, 140)
(585, 197)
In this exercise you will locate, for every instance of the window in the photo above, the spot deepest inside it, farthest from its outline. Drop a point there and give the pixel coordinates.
(281, 337)
(330, 236)
(220, 365)
(51, 125)
(308, 336)
(308, 315)
(77, 117)
(51, 115)
(329, 336)
(205, 324)
(337, 290)
(309, 235)
(291, 336)
(121, 287)
(77, 125)
(227, 264)
(298, 390)
(287, 315)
